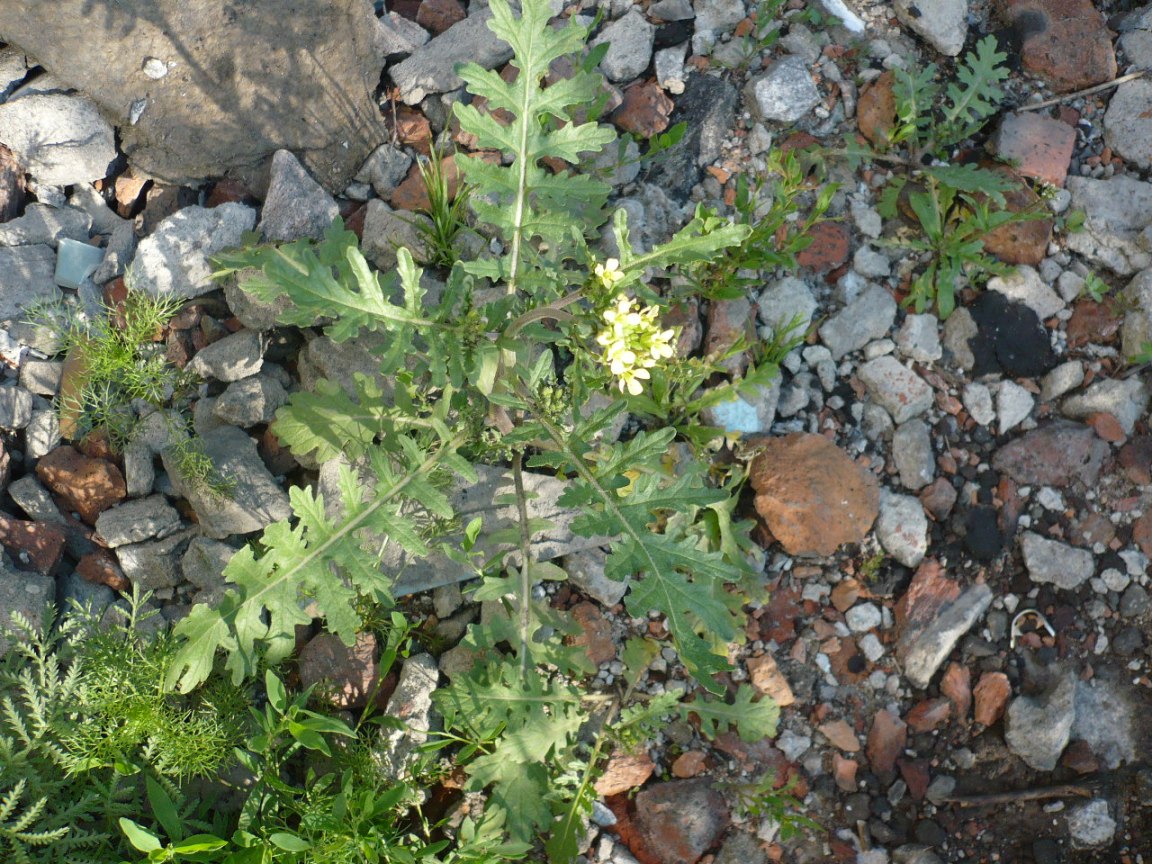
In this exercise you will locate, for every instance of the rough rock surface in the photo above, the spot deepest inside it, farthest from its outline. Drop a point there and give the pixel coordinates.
(173, 261)
(241, 84)
(680, 820)
(60, 139)
(812, 495)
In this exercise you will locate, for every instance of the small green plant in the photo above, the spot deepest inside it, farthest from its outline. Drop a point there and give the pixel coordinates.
(446, 211)
(1095, 288)
(954, 206)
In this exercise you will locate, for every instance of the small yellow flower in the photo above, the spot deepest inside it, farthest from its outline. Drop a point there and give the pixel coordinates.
(609, 272)
(633, 343)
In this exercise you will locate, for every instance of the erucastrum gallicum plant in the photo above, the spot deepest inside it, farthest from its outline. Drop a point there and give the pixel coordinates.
(500, 368)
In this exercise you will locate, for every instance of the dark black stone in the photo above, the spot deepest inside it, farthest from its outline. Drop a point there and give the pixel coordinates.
(1128, 641)
(856, 807)
(983, 537)
(672, 33)
(1010, 340)
(708, 107)
(930, 833)
(1048, 850)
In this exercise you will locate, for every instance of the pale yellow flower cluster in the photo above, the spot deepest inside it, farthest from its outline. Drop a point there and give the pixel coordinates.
(633, 341)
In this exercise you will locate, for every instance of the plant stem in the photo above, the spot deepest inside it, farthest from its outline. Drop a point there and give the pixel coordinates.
(525, 562)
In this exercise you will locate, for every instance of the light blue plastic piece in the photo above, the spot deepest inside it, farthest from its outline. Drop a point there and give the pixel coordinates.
(75, 262)
(737, 415)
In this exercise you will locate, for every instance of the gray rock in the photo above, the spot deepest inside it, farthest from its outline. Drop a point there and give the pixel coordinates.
(174, 260)
(1136, 330)
(1119, 210)
(863, 617)
(15, 407)
(385, 168)
(669, 65)
(718, 16)
(1134, 601)
(396, 750)
(585, 569)
(919, 338)
(1053, 455)
(118, 254)
(139, 472)
(742, 848)
(1065, 377)
(255, 501)
(630, 42)
(251, 311)
(896, 388)
(251, 401)
(943, 24)
(243, 81)
(27, 277)
(673, 10)
(59, 139)
(385, 230)
(203, 565)
(871, 264)
(1056, 563)
(431, 68)
(340, 362)
(1126, 128)
(155, 564)
(1013, 405)
(41, 377)
(34, 500)
(236, 356)
(784, 93)
(868, 317)
(395, 34)
(912, 453)
(46, 225)
(74, 588)
(42, 434)
(1024, 285)
(1037, 728)
(915, 853)
(88, 201)
(1090, 825)
(296, 206)
(785, 301)
(959, 329)
(902, 528)
(1126, 399)
(924, 651)
(137, 521)
(26, 594)
(977, 400)
(1106, 719)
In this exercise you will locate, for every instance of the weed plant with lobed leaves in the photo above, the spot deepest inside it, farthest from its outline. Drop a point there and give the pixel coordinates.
(955, 206)
(501, 367)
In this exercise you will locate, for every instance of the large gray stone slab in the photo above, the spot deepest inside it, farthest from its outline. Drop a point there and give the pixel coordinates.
(1038, 727)
(243, 80)
(296, 206)
(943, 24)
(59, 139)
(1050, 561)
(48, 225)
(136, 521)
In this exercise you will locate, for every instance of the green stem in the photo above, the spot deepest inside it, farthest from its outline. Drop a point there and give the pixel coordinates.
(525, 562)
